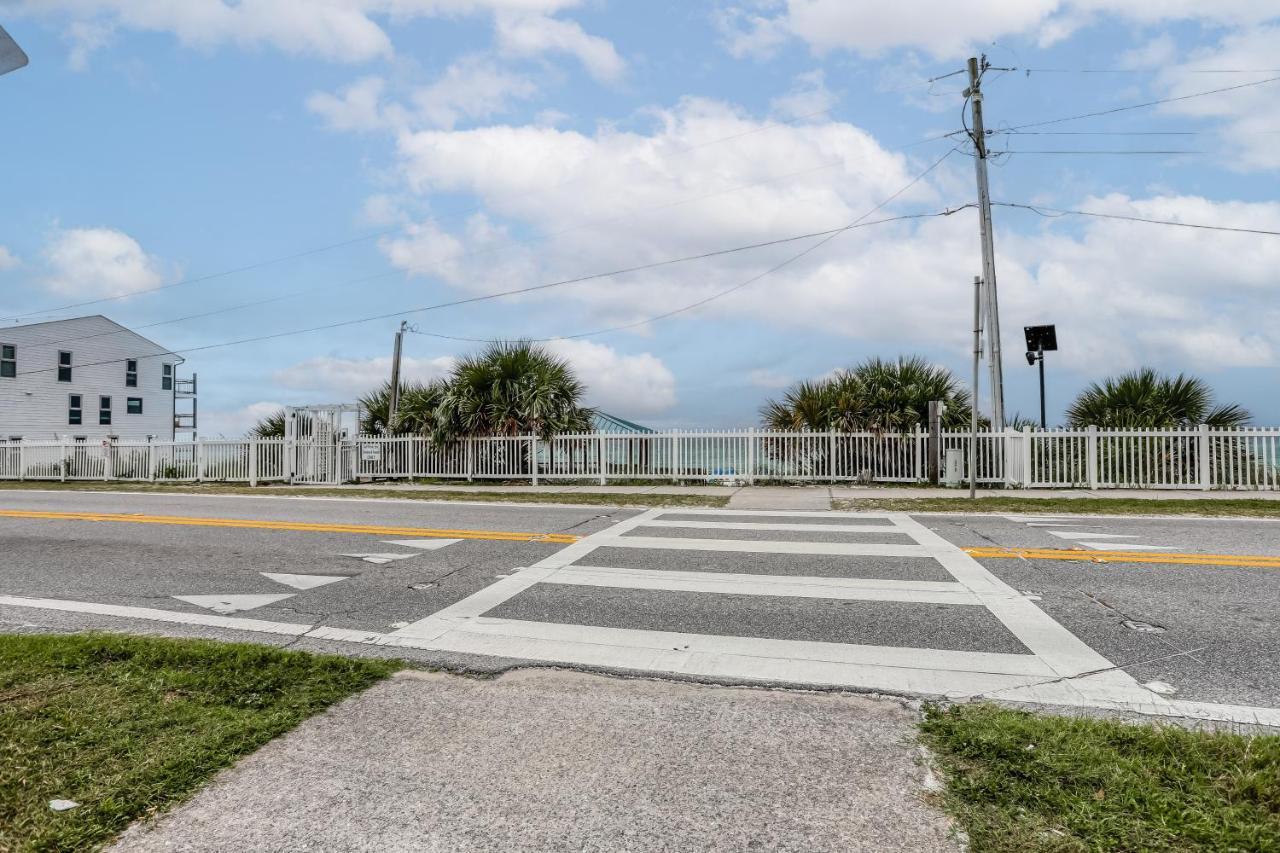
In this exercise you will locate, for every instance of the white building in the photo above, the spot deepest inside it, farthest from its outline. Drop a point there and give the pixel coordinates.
(89, 378)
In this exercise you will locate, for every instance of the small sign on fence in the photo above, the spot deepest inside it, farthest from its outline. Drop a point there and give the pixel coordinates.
(370, 452)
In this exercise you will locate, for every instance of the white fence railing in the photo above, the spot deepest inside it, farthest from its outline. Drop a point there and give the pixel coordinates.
(1201, 458)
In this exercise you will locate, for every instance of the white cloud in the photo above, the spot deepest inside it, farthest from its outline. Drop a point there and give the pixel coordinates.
(623, 385)
(357, 106)
(809, 95)
(473, 87)
(765, 378)
(234, 423)
(99, 262)
(946, 29)
(1250, 129)
(534, 35)
(348, 378)
(8, 260)
(339, 30)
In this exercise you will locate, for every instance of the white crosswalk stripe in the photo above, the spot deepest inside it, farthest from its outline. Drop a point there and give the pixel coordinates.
(1053, 653)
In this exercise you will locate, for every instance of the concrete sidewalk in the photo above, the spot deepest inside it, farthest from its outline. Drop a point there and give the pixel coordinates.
(819, 496)
(543, 760)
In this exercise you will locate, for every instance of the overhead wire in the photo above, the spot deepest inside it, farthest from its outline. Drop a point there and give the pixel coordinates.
(1058, 212)
(857, 223)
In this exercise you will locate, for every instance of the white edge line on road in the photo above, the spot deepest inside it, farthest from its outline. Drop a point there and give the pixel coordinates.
(782, 673)
(765, 546)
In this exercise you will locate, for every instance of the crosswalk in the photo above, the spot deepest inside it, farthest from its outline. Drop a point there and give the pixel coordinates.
(984, 615)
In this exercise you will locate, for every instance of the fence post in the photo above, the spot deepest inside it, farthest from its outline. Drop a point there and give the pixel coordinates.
(1027, 478)
(22, 465)
(751, 456)
(412, 462)
(253, 462)
(533, 458)
(471, 459)
(108, 461)
(199, 460)
(62, 463)
(831, 454)
(675, 456)
(1092, 460)
(1206, 468)
(603, 465)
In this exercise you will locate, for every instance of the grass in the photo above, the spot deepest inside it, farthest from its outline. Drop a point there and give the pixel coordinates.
(1227, 507)
(129, 726)
(1017, 781)
(586, 498)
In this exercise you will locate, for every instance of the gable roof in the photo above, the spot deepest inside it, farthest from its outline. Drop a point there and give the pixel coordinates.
(163, 350)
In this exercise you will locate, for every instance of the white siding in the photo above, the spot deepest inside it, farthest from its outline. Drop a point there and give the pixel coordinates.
(34, 404)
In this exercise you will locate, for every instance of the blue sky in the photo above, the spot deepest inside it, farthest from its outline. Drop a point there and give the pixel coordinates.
(465, 147)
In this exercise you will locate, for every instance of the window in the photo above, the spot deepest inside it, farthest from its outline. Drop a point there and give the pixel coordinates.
(8, 361)
(74, 410)
(166, 377)
(64, 366)
(131, 373)
(134, 405)
(104, 411)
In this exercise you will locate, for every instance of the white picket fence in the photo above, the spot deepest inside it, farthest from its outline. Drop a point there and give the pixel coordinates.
(1200, 458)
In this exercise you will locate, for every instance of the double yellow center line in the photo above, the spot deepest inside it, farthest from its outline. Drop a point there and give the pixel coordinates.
(255, 524)
(1252, 561)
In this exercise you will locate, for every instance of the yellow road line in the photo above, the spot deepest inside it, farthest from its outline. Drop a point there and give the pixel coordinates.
(1252, 561)
(253, 524)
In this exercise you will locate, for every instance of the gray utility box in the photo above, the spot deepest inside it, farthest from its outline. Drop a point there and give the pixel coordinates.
(953, 467)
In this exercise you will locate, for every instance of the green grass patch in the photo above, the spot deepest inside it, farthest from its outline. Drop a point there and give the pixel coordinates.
(1225, 508)
(129, 726)
(487, 496)
(1018, 781)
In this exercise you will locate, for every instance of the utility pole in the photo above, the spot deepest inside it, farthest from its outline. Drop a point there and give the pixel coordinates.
(974, 93)
(393, 397)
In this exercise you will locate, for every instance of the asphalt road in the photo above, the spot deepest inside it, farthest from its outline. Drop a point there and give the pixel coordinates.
(831, 600)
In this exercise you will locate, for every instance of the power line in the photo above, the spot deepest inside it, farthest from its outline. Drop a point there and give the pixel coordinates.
(1116, 151)
(521, 290)
(857, 223)
(211, 276)
(1148, 70)
(387, 232)
(1114, 110)
(1046, 211)
(474, 253)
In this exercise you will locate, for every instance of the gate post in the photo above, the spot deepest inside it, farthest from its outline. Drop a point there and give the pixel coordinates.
(253, 462)
(1206, 467)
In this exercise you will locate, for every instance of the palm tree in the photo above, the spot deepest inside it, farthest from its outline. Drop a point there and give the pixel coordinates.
(511, 388)
(878, 395)
(272, 426)
(1144, 399)
(414, 412)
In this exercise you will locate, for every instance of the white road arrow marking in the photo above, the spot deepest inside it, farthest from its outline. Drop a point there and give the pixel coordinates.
(232, 603)
(303, 581)
(422, 544)
(380, 559)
